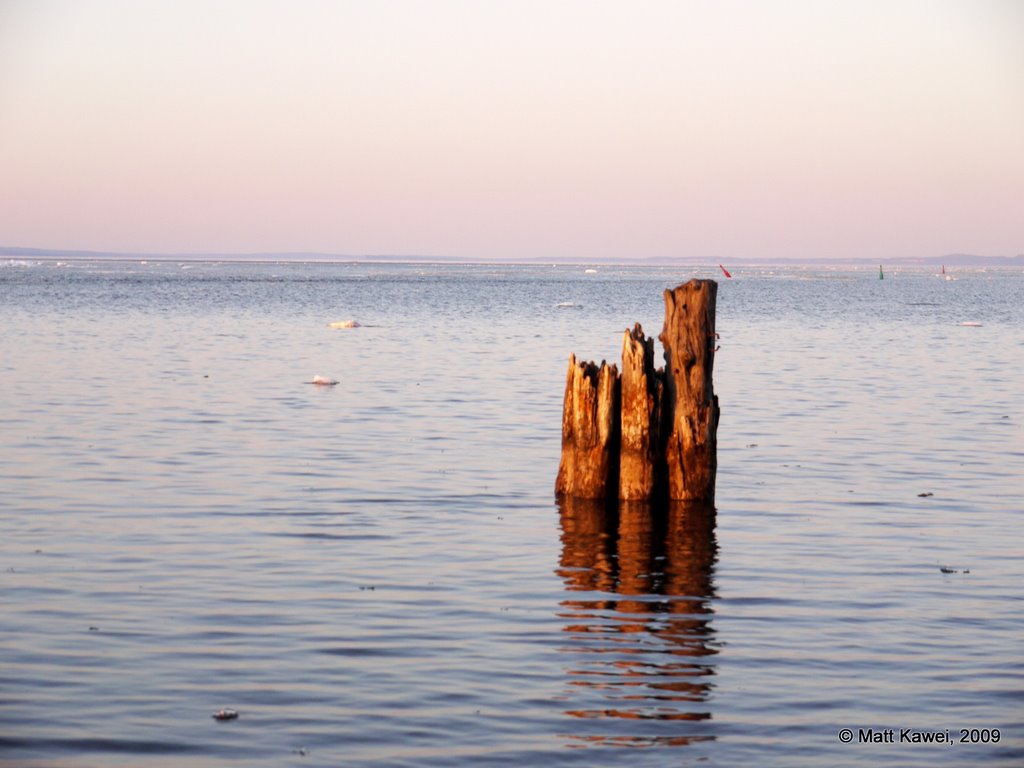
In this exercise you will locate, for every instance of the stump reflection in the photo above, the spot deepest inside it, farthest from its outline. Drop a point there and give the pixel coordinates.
(640, 660)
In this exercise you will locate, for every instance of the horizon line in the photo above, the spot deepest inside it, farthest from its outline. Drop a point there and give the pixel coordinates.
(323, 256)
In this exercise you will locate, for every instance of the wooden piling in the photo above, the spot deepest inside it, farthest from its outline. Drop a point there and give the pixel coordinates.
(691, 406)
(652, 434)
(590, 432)
(640, 462)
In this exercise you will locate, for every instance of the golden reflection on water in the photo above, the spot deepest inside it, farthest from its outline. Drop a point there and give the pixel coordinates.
(638, 614)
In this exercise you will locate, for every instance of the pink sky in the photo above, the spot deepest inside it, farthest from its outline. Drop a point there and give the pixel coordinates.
(578, 129)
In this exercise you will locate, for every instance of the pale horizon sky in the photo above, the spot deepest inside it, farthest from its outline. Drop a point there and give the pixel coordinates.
(479, 129)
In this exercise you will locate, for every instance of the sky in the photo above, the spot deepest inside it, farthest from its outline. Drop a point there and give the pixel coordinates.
(724, 130)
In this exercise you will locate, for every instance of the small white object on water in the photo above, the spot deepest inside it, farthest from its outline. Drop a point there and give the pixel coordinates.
(225, 714)
(589, 271)
(971, 324)
(568, 305)
(338, 324)
(323, 381)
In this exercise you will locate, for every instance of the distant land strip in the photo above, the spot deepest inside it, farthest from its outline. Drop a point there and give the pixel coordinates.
(951, 259)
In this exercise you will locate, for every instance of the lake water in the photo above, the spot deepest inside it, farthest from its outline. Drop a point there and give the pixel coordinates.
(376, 573)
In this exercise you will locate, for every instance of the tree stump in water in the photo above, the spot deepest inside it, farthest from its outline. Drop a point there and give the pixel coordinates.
(691, 407)
(590, 432)
(652, 434)
(641, 461)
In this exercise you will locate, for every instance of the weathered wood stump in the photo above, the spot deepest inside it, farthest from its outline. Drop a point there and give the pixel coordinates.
(691, 406)
(590, 432)
(641, 459)
(652, 434)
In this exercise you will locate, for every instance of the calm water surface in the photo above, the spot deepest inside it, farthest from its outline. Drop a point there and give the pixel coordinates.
(376, 573)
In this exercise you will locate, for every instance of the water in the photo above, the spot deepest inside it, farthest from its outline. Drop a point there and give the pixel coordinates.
(377, 574)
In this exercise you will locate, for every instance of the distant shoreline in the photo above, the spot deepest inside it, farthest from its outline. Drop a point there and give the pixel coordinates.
(952, 260)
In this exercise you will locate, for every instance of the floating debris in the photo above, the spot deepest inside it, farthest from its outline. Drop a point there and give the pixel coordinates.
(944, 569)
(339, 324)
(225, 714)
(94, 629)
(970, 324)
(301, 752)
(323, 381)
(926, 493)
(568, 305)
